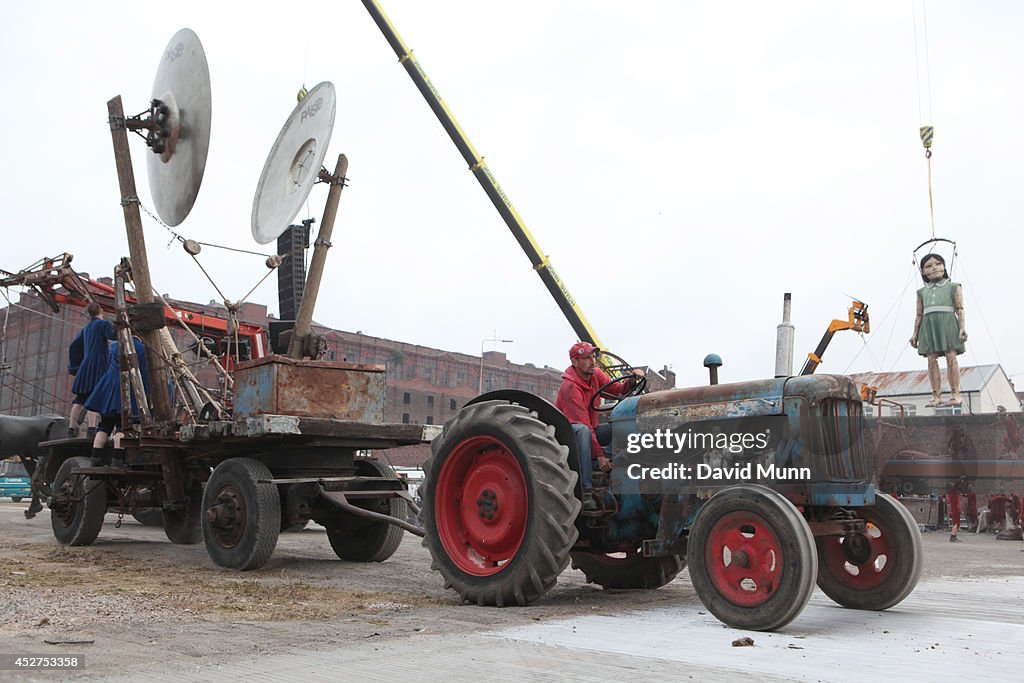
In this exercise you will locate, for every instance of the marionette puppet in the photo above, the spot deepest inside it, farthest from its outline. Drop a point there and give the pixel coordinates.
(939, 327)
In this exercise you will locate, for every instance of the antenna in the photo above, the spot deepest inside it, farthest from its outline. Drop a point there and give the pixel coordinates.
(179, 127)
(294, 163)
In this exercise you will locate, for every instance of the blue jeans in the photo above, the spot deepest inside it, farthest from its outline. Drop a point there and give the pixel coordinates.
(583, 445)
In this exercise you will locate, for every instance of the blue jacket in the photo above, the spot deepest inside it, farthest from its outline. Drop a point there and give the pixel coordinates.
(105, 399)
(87, 356)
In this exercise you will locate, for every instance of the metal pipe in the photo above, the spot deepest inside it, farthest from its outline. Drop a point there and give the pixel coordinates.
(159, 393)
(338, 498)
(540, 262)
(304, 320)
(784, 340)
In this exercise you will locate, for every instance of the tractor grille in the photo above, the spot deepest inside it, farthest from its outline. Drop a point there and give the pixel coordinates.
(842, 440)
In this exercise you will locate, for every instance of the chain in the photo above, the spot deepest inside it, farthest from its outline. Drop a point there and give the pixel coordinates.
(174, 235)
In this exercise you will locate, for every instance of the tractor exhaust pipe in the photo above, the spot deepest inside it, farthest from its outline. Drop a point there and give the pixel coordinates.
(784, 341)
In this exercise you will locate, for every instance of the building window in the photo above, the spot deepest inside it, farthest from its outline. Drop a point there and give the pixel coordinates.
(430, 401)
(405, 418)
(407, 398)
(451, 404)
(430, 420)
(911, 410)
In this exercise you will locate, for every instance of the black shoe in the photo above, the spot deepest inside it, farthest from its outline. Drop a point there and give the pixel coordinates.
(589, 504)
(954, 539)
(72, 433)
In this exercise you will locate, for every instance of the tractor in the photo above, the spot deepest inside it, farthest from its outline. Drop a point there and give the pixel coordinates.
(760, 487)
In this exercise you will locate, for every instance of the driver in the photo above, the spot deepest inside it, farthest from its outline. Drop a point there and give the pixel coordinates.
(580, 384)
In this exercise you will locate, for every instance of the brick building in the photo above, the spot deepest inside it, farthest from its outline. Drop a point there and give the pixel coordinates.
(424, 385)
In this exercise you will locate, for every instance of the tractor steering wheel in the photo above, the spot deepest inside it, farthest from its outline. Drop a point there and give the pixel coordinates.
(618, 372)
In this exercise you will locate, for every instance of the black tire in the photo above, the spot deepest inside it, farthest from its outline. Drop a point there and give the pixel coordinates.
(16, 499)
(734, 550)
(184, 527)
(150, 517)
(242, 514)
(876, 570)
(628, 570)
(499, 505)
(79, 505)
(362, 540)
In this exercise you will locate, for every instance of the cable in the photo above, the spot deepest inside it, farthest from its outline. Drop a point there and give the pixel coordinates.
(37, 386)
(892, 307)
(24, 395)
(981, 314)
(176, 236)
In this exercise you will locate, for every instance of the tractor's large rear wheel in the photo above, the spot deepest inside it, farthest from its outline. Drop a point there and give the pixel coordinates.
(360, 539)
(628, 569)
(751, 557)
(79, 504)
(242, 514)
(499, 505)
(877, 569)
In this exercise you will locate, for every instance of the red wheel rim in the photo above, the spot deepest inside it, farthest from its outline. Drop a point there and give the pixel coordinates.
(860, 561)
(744, 558)
(481, 505)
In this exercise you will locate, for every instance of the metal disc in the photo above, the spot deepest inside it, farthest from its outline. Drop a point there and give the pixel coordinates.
(183, 83)
(293, 163)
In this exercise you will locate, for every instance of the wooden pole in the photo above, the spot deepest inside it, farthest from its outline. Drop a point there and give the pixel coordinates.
(304, 319)
(140, 264)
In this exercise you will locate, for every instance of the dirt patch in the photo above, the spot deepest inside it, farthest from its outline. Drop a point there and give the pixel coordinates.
(58, 586)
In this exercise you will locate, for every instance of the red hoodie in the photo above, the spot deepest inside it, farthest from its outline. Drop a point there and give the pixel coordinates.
(575, 399)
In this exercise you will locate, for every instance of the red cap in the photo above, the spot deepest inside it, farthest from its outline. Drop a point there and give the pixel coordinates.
(582, 350)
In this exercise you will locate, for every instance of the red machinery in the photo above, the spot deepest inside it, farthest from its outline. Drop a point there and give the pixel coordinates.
(56, 282)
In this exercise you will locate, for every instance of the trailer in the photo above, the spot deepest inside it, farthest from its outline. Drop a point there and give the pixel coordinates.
(295, 450)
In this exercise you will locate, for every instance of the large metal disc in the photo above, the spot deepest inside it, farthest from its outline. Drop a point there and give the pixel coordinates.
(183, 83)
(293, 163)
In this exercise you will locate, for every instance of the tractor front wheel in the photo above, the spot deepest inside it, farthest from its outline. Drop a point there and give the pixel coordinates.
(499, 506)
(751, 557)
(877, 569)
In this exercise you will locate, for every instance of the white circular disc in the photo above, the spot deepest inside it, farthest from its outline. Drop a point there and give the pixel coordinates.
(293, 164)
(183, 78)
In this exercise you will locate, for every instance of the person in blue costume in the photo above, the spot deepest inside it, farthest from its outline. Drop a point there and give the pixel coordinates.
(87, 360)
(939, 327)
(106, 401)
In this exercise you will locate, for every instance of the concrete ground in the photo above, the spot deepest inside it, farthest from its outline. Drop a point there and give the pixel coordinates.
(140, 608)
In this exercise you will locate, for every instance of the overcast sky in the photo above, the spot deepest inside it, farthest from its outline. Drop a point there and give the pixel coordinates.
(682, 163)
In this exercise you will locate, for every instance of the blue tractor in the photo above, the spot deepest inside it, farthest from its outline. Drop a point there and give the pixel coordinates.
(760, 487)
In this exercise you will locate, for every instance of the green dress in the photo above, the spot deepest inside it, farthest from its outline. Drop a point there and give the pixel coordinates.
(940, 330)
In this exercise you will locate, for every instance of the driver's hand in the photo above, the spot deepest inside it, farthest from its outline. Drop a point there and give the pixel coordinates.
(638, 372)
(604, 463)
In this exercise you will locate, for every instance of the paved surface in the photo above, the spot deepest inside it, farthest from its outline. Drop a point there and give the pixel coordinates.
(970, 629)
(157, 622)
